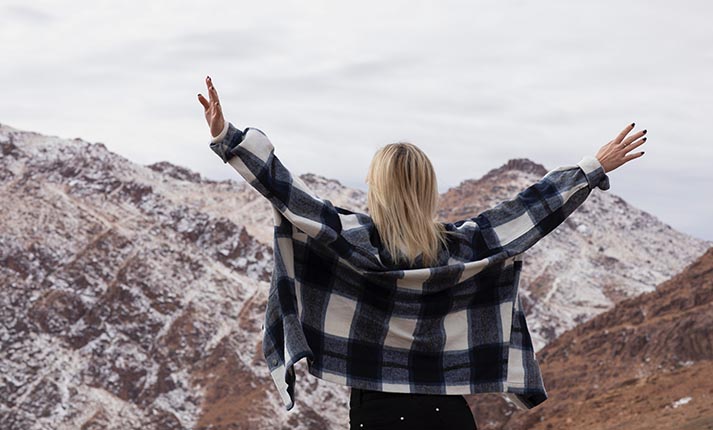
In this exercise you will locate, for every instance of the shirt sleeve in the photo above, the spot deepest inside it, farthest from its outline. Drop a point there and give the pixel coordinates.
(252, 155)
(515, 225)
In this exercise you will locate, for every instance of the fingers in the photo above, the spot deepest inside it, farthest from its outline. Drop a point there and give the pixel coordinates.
(632, 156)
(633, 138)
(635, 144)
(623, 133)
(212, 92)
(203, 101)
(213, 101)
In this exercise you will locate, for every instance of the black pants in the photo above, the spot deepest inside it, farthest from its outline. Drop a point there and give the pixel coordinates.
(379, 410)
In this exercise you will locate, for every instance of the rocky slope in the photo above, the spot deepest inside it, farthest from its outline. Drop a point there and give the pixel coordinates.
(132, 296)
(123, 303)
(645, 364)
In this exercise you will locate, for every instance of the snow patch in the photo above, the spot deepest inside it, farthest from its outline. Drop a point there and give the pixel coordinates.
(682, 401)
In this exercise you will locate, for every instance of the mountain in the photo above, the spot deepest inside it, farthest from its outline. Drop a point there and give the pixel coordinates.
(126, 299)
(133, 296)
(645, 364)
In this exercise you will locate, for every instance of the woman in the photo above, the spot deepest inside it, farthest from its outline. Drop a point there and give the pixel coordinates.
(402, 199)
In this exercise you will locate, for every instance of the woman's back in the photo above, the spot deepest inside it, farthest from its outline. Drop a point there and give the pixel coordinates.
(370, 409)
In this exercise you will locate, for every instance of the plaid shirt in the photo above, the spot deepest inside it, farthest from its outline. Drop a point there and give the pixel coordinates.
(338, 299)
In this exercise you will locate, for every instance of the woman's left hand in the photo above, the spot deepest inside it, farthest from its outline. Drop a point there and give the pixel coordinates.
(213, 110)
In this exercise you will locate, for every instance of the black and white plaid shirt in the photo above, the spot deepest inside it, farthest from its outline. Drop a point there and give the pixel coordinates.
(337, 298)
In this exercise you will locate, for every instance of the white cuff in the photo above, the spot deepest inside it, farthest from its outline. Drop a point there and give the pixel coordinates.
(222, 134)
(594, 172)
(589, 164)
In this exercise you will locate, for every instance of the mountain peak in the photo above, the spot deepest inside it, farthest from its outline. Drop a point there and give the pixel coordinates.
(521, 164)
(174, 171)
(321, 183)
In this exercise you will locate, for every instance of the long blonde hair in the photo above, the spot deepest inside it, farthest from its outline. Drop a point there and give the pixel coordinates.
(401, 199)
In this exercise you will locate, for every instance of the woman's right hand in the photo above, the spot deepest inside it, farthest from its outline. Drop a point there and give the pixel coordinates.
(213, 110)
(614, 153)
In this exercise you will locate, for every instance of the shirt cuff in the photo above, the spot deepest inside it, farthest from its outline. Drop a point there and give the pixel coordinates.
(232, 139)
(595, 172)
(222, 134)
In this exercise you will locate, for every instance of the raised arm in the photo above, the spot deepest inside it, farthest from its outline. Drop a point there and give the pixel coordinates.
(252, 155)
(515, 225)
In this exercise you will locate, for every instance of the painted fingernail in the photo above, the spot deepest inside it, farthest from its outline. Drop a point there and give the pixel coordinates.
(643, 139)
(644, 131)
(632, 124)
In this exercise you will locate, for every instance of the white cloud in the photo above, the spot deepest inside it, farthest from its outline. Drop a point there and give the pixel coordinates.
(473, 84)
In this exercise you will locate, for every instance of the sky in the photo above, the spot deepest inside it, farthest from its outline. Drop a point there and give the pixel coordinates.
(472, 83)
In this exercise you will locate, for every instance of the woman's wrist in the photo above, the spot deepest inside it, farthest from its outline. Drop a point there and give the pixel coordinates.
(222, 133)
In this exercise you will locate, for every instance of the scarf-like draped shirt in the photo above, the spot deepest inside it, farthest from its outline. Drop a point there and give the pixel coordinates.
(338, 299)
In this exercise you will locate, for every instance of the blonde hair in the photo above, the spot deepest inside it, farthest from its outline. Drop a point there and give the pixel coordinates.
(401, 199)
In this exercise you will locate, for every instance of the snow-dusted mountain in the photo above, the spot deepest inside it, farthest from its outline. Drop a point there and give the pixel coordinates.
(132, 296)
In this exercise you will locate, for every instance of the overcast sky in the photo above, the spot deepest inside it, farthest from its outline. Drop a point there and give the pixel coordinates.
(471, 83)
